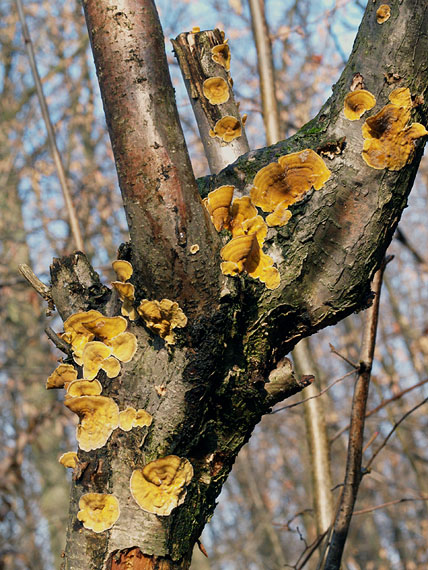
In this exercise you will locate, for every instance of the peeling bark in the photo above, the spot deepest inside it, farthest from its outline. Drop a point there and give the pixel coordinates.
(217, 380)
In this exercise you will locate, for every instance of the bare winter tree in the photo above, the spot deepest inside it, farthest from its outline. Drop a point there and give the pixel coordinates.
(227, 368)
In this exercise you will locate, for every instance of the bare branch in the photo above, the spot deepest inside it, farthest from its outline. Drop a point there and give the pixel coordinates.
(72, 217)
(42, 289)
(323, 391)
(389, 504)
(356, 434)
(385, 441)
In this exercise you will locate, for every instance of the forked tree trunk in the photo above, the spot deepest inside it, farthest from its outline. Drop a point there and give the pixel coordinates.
(227, 368)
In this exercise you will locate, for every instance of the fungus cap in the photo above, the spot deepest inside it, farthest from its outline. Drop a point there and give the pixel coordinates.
(61, 376)
(401, 97)
(221, 55)
(389, 142)
(69, 459)
(123, 346)
(252, 226)
(218, 205)
(160, 486)
(244, 253)
(280, 216)
(357, 103)
(288, 179)
(83, 388)
(123, 269)
(93, 357)
(216, 90)
(76, 333)
(162, 317)
(99, 416)
(130, 418)
(242, 209)
(126, 292)
(227, 129)
(383, 13)
(107, 328)
(98, 512)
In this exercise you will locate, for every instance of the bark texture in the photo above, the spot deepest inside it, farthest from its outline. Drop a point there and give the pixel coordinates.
(227, 368)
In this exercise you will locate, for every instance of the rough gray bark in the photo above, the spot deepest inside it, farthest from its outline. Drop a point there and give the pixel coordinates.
(223, 373)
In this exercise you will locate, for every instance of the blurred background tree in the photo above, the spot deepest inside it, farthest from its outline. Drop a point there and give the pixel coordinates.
(265, 518)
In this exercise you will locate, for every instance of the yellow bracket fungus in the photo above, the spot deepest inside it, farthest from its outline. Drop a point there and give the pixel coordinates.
(97, 356)
(389, 141)
(99, 416)
(244, 253)
(81, 329)
(383, 13)
(123, 346)
(83, 388)
(357, 103)
(221, 55)
(162, 317)
(69, 459)
(160, 486)
(242, 209)
(123, 269)
(286, 181)
(61, 376)
(98, 512)
(218, 205)
(131, 418)
(126, 292)
(227, 129)
(216, 90)
(253, 226)
(280, 216)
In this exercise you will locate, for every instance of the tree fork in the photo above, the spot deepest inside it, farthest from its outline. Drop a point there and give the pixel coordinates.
(221, 376)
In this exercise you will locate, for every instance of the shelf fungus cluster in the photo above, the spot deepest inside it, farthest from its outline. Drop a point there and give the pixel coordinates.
(276, 186)
(160, 486)
(388, 138)
(162, 317)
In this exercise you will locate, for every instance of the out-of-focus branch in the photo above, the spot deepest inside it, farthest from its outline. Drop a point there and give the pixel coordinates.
(402, 238)
(72, 217)
(266, 71)
(317, 439)
(389, 504)
(400, 421)
(356, 434)
(382, 405)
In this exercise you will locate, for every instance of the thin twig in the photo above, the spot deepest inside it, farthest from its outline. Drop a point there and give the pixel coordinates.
(382, 405)
(74, 224)
(385, 441)
(356, 433)
(334, 351)
(323, 391)
(58, 341)
(389, 504)
(371, 440)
